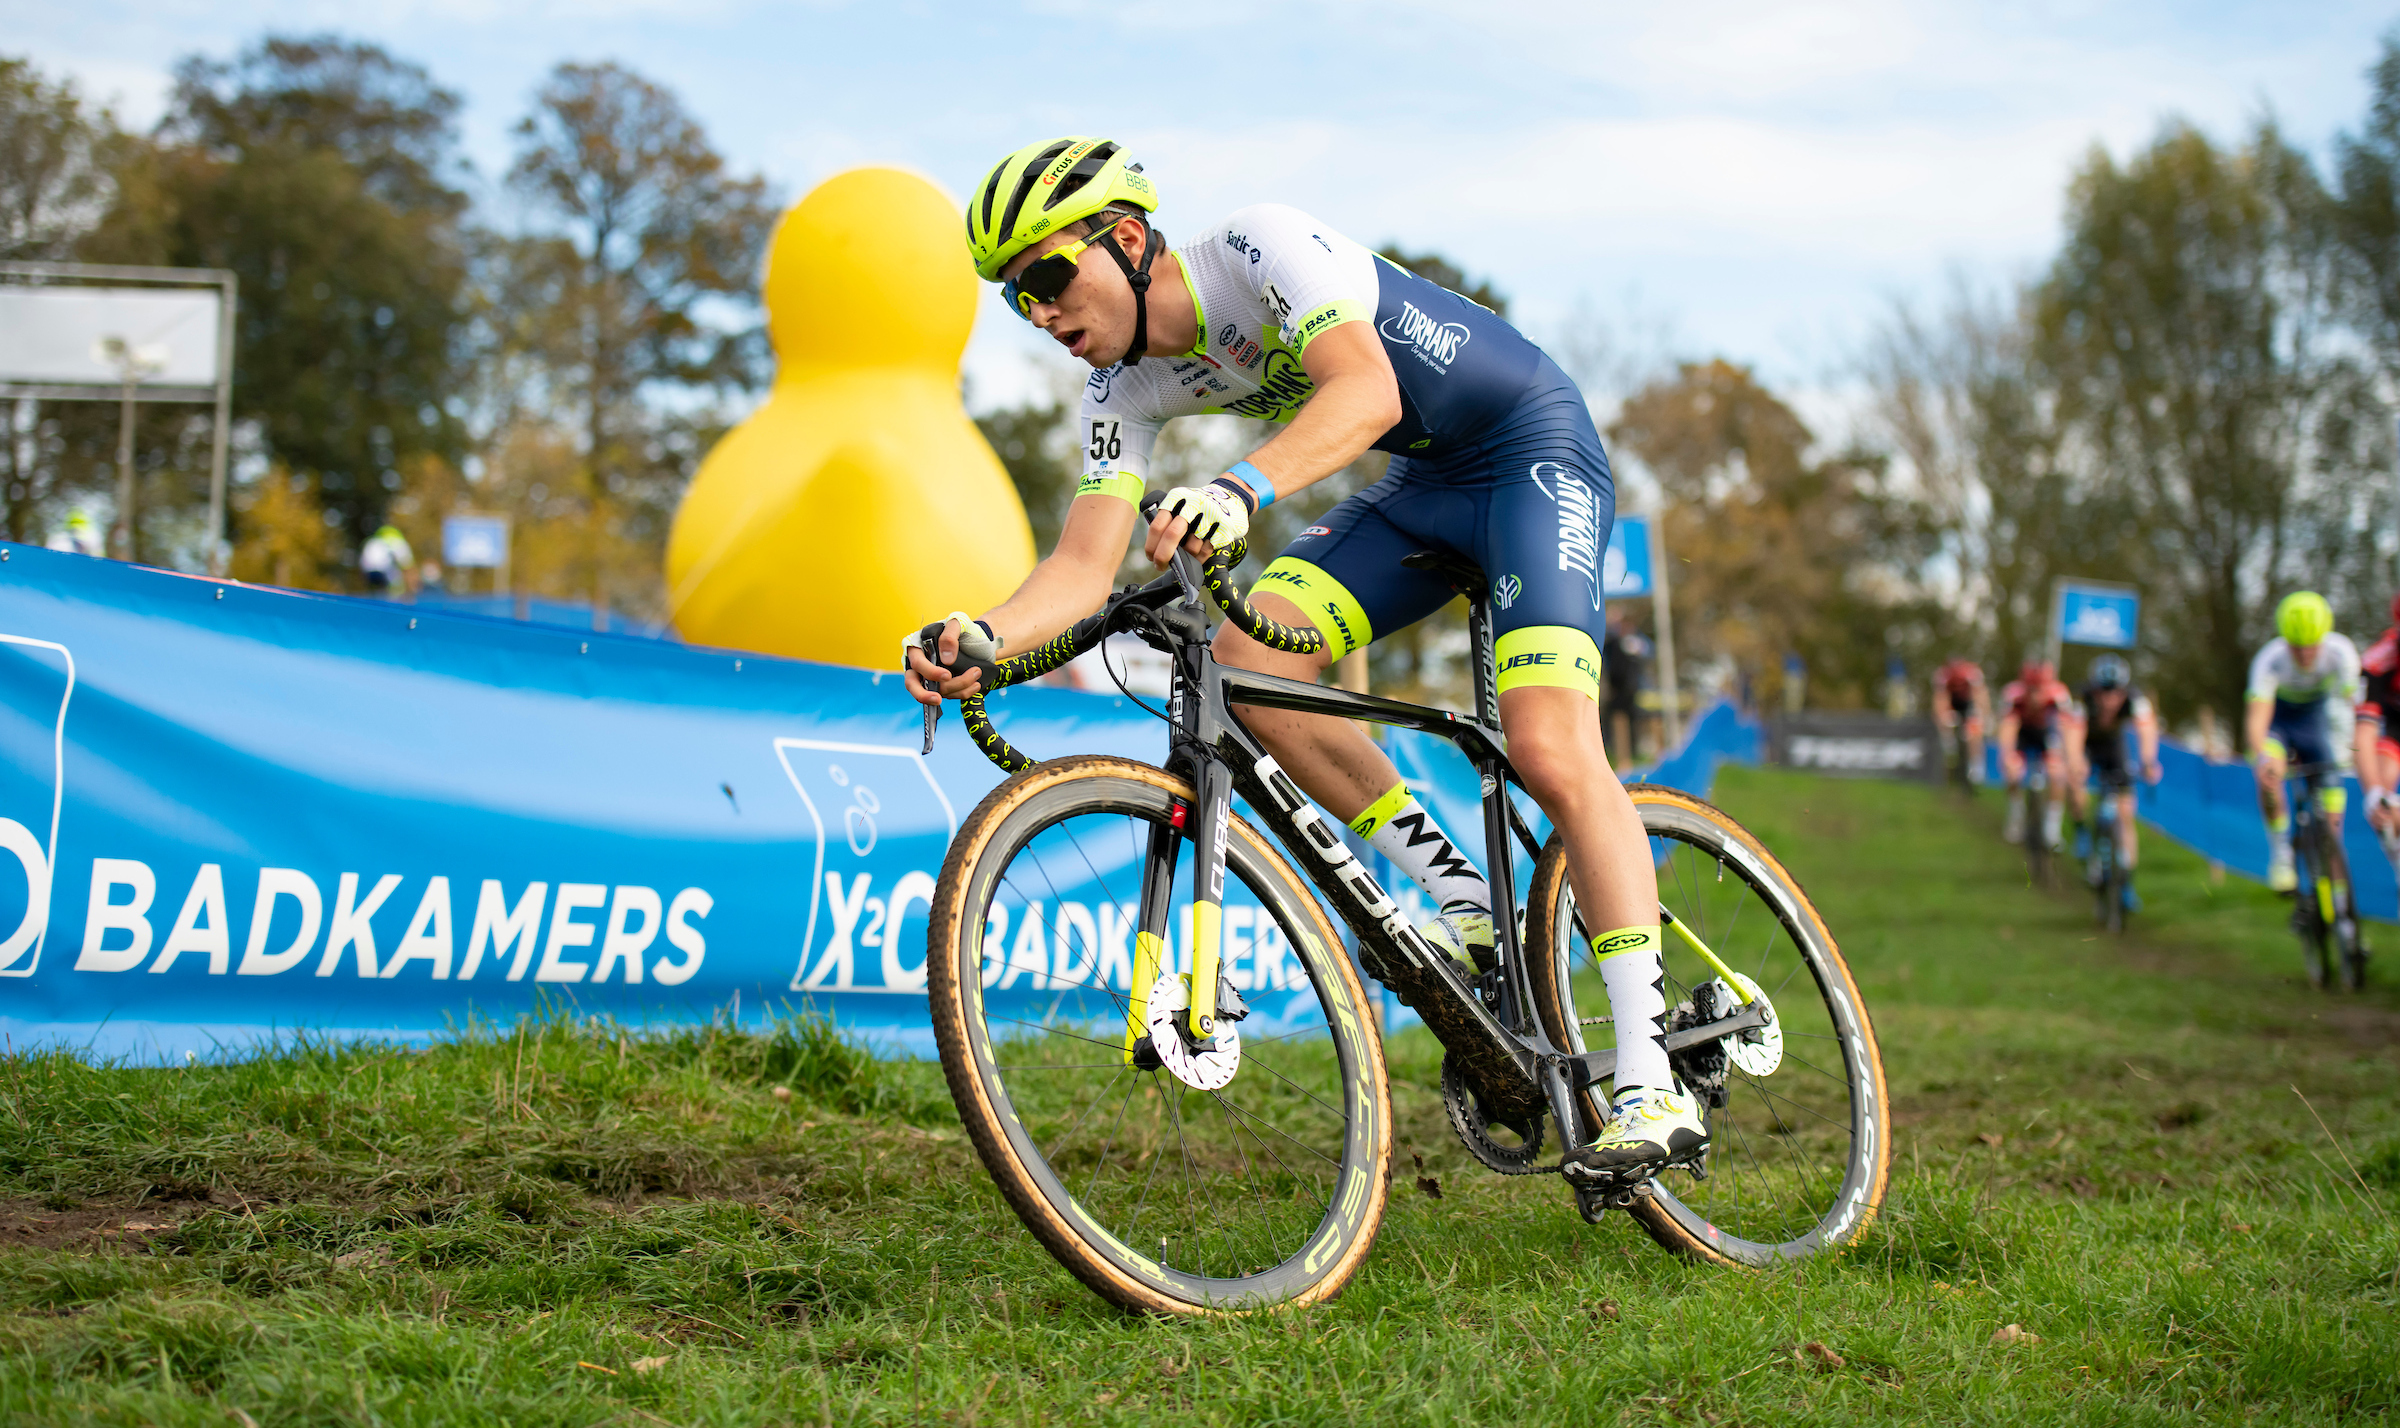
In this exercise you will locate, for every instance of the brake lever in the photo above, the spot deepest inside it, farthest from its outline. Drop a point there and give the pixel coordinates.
(933, 712)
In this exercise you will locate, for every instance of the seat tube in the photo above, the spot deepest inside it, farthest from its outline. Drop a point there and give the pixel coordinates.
(1212, 813)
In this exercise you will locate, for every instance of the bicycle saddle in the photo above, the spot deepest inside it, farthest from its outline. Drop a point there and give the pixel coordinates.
(1462, 574)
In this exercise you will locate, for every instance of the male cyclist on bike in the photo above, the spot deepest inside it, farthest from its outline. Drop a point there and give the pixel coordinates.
(2293, 676)
(2029, 735)
(1962, 710)
(2377, 751)
(1274, 315)
(2095, 736)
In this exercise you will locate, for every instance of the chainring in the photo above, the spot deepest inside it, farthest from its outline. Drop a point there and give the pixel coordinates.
(1467, 1117)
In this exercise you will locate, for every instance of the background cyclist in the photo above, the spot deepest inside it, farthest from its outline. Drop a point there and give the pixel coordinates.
(2284, 723)
(2377, 752)
(1962, 710)
(1272, 314)
(2031, 709)
(2111, 710)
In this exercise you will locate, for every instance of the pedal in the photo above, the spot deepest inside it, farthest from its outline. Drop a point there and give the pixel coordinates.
(1592, 1204)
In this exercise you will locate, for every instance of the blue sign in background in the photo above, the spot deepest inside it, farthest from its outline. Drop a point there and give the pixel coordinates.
(2098, 615)
(1625, 572)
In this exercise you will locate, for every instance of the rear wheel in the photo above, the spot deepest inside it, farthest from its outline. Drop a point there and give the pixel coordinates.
(1799, 1147)
(1162, 1194)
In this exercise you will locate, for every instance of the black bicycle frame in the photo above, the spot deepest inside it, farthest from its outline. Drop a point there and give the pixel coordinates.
(1507, 1056)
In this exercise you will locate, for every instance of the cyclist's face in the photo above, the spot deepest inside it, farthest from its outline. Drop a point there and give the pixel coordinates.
(2305, 655)
(1093, 317)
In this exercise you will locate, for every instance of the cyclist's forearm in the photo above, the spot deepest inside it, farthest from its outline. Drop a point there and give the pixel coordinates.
(1337, 426)
(1070, 582)
(2255, 715)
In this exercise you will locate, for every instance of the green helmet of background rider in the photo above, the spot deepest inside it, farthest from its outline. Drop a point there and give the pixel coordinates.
(2304, 618)
(1043, 187)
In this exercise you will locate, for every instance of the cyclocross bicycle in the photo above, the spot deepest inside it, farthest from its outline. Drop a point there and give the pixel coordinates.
(2035, 790)
(1167, 1058)
(2104, 870)
(2323, 911)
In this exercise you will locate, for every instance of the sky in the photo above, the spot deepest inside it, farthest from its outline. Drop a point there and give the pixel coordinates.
(1756, 179)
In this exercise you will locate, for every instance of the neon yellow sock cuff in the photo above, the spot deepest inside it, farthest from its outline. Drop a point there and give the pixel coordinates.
(2280, 825)
(1624, 940)
(1381, 811)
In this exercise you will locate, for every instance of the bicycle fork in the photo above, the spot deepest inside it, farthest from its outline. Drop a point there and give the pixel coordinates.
(1205, 822)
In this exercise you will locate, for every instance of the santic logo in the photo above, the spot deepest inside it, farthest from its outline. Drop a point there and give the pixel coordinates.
(1435, 343)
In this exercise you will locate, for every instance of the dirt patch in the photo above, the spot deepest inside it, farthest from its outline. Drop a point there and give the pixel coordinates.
(93, 1225)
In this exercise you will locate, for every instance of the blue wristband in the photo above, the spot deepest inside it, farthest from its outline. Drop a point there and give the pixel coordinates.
(1259, 485)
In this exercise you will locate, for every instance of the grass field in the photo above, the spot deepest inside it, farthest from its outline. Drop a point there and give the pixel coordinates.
(2102, 1142)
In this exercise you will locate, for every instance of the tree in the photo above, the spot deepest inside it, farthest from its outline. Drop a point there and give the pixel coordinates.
(2368, 213)
(312, 169)
(1776, 553)
(54, 159)
(647, 229)
(2184, 328)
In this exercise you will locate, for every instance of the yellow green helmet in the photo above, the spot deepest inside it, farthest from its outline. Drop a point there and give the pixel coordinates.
(1042, 187)
(2303, 618)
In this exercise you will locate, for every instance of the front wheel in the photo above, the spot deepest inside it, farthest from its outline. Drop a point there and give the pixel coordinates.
(1800, 1144)
(1164, 1195)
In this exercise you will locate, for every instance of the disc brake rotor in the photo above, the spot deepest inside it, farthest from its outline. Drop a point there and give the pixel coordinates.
(1206, 1067)
(1474, 1130)
(1759, 1050)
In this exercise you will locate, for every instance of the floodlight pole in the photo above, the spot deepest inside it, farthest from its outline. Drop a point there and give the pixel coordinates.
(120, 539)
(217, 549)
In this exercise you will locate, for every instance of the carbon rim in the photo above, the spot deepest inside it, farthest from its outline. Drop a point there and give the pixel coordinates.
(1232, 1199)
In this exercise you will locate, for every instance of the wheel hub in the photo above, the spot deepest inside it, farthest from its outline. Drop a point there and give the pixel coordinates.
(1206, 1066)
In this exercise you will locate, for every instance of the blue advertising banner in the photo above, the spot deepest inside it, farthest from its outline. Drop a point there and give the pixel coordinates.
(230, 813)
(1625, 570)
(2107, 616)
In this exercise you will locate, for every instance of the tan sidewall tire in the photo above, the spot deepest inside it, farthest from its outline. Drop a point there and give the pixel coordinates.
(1543, 900)
(954, 995)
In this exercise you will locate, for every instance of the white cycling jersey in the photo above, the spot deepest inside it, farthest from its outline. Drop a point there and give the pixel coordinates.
(2276, 674)
(1266, 283)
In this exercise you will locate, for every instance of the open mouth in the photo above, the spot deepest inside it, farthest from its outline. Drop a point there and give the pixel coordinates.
(1075, 341)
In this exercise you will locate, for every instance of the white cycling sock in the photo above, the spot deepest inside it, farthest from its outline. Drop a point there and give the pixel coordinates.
(1398, 826)
(1637, 1000)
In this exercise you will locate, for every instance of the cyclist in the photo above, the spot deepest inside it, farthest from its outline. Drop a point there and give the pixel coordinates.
(2377, 752)
(2110, 709)
(1962, 708)
(1272, 314)
(2295, 673)
(2029, 734)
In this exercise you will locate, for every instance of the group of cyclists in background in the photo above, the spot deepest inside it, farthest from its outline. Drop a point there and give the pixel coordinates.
(2080, 751)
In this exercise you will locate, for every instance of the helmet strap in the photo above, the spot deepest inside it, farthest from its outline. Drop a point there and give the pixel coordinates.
(1139, 280)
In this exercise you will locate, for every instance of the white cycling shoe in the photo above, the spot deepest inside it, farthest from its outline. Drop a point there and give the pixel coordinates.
(2281, 875)
(1648, 1130)
(1463, 933)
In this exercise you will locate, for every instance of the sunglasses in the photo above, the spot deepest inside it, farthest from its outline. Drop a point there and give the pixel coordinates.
(1046, 277)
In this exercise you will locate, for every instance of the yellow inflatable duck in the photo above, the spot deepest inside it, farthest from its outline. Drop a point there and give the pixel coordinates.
(859, 501)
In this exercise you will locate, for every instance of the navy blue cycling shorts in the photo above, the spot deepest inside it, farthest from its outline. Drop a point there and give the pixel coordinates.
(2302, 731)
(1530, 503)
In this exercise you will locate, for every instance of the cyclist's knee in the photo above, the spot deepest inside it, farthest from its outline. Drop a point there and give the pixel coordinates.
(1237, 649)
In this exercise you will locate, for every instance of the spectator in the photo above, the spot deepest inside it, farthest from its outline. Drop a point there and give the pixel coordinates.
(1621, 661)
(79, 535)
(389, 565)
